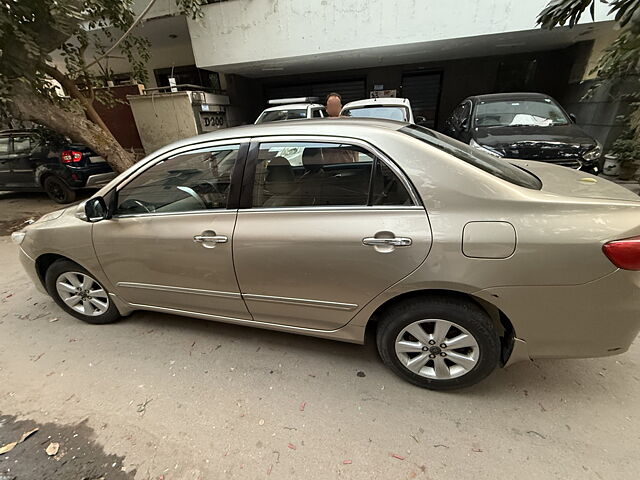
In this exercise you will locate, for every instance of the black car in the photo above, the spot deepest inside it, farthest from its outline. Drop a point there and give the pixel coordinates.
(40, 160)
(530, 126)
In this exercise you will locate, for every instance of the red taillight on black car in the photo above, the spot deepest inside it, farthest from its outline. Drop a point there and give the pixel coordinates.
(624, 253)
(70, 156)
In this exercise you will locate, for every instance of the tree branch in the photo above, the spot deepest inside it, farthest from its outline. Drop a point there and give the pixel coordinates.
(124, 35)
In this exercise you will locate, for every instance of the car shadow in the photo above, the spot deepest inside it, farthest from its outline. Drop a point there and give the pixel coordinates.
(564, 377)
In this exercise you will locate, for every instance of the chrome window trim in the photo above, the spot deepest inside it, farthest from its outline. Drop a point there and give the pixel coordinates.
(305, 302)
(210, 211)
(415, 198)
(335, 208)
(168, 288)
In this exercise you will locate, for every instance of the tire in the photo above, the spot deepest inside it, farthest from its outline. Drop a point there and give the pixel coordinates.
(476, 357)
(58, 190)
(72, 275)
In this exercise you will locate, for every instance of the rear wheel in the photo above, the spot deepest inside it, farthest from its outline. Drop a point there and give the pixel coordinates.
(79, 293)
(58, 190)
(439, 343)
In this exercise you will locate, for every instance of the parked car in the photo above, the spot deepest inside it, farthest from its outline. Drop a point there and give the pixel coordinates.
(39, 160)
(530, 126)
(458, 260)
(386, 107)
(292, 109)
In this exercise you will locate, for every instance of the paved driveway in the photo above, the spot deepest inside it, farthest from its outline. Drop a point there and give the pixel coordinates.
(175, 398)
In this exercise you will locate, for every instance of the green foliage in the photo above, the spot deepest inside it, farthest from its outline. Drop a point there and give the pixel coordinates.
(626, 147)
(31, 30)
(622, 57)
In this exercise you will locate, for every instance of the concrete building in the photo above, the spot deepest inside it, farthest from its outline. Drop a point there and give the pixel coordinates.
(435, 53)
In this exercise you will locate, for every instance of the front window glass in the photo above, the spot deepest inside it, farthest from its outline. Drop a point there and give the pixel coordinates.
(4, 145)
(279, 115)
(517, 113)
(497, 167)
(400, 114)
(198, 180)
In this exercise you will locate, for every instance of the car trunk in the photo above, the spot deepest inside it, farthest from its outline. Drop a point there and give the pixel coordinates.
(573, 183)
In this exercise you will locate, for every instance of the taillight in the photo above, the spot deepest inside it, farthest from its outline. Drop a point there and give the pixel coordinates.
(70, 156)
(624, 253)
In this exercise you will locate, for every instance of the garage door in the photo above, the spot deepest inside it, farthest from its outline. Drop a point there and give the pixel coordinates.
(349, 90)
(423, 91)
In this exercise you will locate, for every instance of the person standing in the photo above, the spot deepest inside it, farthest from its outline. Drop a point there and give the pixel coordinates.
(333, 104)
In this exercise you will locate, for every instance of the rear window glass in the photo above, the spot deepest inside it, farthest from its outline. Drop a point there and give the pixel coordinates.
(497, 167)
(280, 115)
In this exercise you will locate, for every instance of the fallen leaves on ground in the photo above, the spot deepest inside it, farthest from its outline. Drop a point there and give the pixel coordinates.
(52, 449)
(10, 446)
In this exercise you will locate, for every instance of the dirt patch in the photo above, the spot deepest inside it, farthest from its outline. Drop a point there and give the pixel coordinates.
(9, 226)
(78, 456)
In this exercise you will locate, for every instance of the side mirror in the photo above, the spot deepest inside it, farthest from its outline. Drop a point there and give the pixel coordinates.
(96, 209)
(573, 118)
(464, 125)
(420, 120)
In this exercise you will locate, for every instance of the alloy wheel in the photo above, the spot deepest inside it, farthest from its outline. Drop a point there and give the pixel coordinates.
(437, 349)
(82, 293)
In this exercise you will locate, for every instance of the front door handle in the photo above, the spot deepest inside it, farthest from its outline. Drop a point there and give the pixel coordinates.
(209, 239)
(394, 242)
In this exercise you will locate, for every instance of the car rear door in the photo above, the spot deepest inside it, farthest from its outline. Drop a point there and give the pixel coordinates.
(320, 234)
(168, 245)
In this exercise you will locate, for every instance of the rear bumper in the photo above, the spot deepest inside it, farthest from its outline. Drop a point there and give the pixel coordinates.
(596, 319)
(100, 179)
(29, 265)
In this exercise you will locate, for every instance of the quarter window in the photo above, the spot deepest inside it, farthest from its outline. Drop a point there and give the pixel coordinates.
(198, 180)
(301, 174)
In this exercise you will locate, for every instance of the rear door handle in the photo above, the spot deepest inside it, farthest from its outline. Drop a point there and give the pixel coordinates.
(395, 242)
(209, 239)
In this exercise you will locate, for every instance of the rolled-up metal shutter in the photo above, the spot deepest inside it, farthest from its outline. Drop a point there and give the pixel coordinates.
(423, 91)
(349, 90)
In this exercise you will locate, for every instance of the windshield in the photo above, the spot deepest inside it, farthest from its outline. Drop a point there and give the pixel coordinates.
(495, 166)
(540, 113)
(278, 115)
(389, 112)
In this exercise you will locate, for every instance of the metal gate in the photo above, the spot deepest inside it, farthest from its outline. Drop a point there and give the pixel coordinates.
(423, 91)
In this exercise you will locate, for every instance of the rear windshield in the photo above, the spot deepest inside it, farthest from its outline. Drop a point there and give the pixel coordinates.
(497, 167)
(399, 113)
(279, 115)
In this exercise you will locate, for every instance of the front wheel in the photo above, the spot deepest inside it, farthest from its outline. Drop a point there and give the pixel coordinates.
(439, 343)
(77, 292)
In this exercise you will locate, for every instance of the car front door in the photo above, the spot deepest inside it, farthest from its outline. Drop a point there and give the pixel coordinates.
(168, 245)
(22, 165)
(321, 233)
(5, 163)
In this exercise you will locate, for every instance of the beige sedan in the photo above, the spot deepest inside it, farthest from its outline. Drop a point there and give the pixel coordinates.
(460, 261)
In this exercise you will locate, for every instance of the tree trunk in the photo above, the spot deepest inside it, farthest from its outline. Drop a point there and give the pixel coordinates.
(73, 123)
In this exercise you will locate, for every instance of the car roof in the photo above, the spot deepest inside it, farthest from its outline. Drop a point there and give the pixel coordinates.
(18, 131)
(291, 106)
(337, 127)
(378, 101)
(492, 97)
